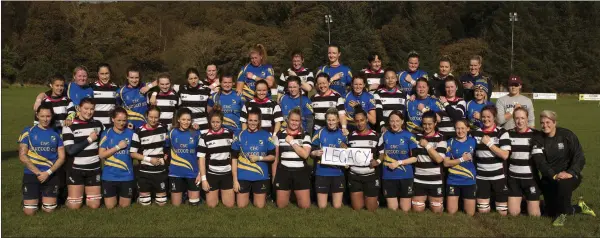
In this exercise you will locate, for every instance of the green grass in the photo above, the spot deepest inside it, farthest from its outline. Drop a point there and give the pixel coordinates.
(201, 221)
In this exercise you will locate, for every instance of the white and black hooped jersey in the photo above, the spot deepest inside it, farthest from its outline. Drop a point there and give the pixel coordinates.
(322, 103)
(150, 142)
(454, 111)
(522, 151)
(373, 77)
(366, 140)
(215, 147)
(105, 97)
(167, 103)
(195, 99)
(62, 106)
(270, 113)
(88, 158)
(490, 166)
(388, 101)
(305, 75)
(427, 171)
(288, 158)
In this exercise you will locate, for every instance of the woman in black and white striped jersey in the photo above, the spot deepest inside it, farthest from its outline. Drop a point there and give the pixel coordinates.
(521, 174)
(493, 148)
(81, 144)
(292, 171)
(194, 96)
(105, 95)
(363, 181)
(166, 100)
(323, 100)
(147, 145)
(214, 151)
(390, 98)
(454, 108)
(270, 112)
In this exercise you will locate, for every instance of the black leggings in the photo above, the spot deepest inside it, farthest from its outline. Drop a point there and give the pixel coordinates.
(557, 195)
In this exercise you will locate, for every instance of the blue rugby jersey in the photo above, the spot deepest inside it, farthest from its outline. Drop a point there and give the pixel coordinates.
(397, 146)
(262, 71)
(472, 107)
(76, 92)
(327, 138)
(43, 146)
(183, 144)
(287, 103)
(135, 102)
(339, 85)
(415, 116)
(232, 105)
(465, 172)
(119, 166)
(406, 86)
(258, 143)
(366, 100)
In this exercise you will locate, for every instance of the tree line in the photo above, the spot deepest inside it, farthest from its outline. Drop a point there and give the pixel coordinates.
(556, 46)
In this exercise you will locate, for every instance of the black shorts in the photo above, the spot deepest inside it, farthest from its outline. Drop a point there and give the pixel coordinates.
(333, 184)
(180, 185)
(485, 189)
(219, 182)
(292, 180)
(84, 177)
(430, 190)
(527, 187)
(256, 187)
(32, 188)
(123, 189)
(369, 185)
(152, 182)
(394, 188)
(462, 191)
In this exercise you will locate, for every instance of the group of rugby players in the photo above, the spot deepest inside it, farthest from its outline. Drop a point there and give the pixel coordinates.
(436, 140)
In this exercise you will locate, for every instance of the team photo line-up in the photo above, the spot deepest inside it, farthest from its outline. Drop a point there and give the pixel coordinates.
(436, 142)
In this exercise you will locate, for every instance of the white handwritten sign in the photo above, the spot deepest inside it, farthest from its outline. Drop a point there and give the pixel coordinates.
(349, 156)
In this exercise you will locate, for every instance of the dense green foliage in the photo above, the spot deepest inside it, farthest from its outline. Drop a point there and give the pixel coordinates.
(555, 48)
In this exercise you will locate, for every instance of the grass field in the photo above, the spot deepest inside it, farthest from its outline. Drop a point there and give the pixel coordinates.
(201, 221)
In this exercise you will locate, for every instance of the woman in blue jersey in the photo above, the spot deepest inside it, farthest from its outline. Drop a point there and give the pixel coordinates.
(360, 96)
(133, 98)
(251, 150)
(408, 79)
(460, 182)
(474, 106)
(256, 70)
(214, 154)
(329, 179)
(341, 75)
(117, 175)
(292, 171)
(295, 99)
(42, 152)
(394, 148)
(183, 168)
(420, 105)
(79, 87)
(231, 104)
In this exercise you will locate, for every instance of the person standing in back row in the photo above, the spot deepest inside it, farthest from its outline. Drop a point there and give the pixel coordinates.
(474, 76)
(508, 103)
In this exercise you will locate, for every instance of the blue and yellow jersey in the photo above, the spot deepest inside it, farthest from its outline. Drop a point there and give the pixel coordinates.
(43, 146)
(287, 103)
(183, 144)
(463, 173)
(258, 143)
(406, 86)
(134, 102)
(415, 116)
(365, 99)
(472, 107)
(76, 92)
(327, 138)
(396, 146)
(119, 166)
(340, 84)
(232, 105)
(262, 71)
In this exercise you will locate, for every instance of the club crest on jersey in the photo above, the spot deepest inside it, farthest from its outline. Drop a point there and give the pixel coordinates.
(53, 138)
(561, 146)
(263, 73)
(401, 141)
(34, 137)
(162, 137)
(260, 142)
(191, 140)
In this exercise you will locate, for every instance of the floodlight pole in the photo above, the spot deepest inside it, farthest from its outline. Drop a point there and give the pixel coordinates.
(328, 20)
(513, 18)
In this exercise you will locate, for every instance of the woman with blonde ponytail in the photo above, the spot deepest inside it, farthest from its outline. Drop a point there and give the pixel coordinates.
(254, 71)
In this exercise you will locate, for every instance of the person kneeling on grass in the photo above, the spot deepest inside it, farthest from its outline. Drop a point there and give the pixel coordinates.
(560, 167)
(117, 175)
(42, 152)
